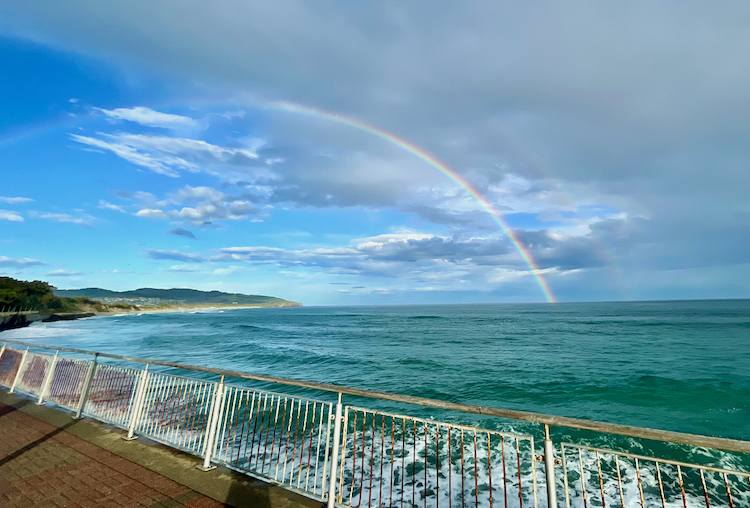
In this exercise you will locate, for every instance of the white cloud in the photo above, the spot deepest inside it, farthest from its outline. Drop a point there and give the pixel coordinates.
(110, 206)
(11, 216)
(20, 263)
(149, 117)
(167, 155)
(152, 213)
(63, 273)
(65, 218)
(234, 114)
(132, 155)
(182, 268)
(228, 270)
(15, 200)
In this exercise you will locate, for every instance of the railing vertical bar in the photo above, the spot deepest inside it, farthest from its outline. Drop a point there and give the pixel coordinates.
(309, 448)
(425, 464)
(705, 490)
(265, 444)
(209, 446)
(234, 423)
(476, 473)
(262, 422)
(372, 460)
(463, 487)
(244, 438)
(258, 416)
(450, 467)
(583, 478)
(362, 461)
(601, 481)
(354, 457)
(153, 404)
(17, 377)
(200, 396)
(273, 439)
(345, 424)
(437, 465)
(288, 434)
(382, 457)
(640, 483)
(729, 491)
(86, 386)
(135, 412)
(518, 466)
(661, 485)
(489, 465)
(47, 379)
(414, 465)
(565, 475)
(619, 482)
(178, 396)
(533, 474)
(281, 437)
(393, 466)
(403, 458)
(309, 444)
(682, 486)
(334, 456)
(302, 443)
(325, 452)
(294, 447)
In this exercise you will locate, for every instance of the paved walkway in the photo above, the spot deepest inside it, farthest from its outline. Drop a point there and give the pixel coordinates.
(48, 459)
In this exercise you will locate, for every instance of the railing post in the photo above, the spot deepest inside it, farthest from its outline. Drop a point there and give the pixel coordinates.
(213, 422)
(140, 396)
(3, 349)
(48, 380)
(335, 454)
(19, 371)
(549, 469)
(86, 386)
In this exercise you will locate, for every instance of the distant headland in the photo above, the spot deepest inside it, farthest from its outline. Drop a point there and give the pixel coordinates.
(23, 302)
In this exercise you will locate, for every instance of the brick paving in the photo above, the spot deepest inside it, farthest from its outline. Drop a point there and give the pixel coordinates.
(46, 467)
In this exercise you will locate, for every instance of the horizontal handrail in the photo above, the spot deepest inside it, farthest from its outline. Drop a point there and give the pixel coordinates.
(726, 444)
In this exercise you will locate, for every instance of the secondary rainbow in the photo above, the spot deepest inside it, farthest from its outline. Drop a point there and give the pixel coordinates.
(435, 163)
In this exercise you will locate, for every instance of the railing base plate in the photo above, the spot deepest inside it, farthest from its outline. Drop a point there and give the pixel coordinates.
(204, 469)
(126, 438)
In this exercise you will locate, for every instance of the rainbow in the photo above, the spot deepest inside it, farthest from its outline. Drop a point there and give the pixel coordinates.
(435, 163)
(430, 159)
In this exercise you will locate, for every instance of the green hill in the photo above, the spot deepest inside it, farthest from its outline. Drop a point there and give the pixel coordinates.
(182, 296)
(38, 296)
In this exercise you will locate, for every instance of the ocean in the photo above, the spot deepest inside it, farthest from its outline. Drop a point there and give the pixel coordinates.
(677, 365)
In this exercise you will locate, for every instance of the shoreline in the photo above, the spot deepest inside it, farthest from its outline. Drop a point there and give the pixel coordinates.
(12, 322)
(190, 308)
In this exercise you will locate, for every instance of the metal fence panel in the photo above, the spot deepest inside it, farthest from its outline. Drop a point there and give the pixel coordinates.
(33, 372)
(9, 364)
(111, 395)
(402, 461)
(176, 410)
(282, 438)
(67, 381)
(598, 477)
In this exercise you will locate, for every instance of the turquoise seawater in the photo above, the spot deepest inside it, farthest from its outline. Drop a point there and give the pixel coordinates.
(682, 366)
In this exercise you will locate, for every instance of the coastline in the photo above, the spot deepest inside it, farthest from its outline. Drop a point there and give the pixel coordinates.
(191, 308)
(13, 321)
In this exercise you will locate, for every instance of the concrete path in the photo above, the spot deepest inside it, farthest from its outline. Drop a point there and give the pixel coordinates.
(48, 459)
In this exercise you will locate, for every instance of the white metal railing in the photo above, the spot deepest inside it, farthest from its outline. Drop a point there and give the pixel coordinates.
(356, 457)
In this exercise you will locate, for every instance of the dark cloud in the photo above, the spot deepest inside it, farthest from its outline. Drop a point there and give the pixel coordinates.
(181, 232)
(174, 255)
(641, 107)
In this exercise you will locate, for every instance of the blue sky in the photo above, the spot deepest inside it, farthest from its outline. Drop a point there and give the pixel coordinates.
(143, 145)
